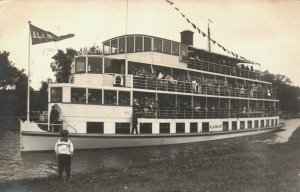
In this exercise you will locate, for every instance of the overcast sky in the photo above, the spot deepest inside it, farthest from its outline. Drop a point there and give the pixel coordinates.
(267, 32)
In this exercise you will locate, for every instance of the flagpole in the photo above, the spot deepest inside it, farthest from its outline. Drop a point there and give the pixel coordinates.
(28, 83)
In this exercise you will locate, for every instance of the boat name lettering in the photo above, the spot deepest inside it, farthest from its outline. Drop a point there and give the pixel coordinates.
(216, 126)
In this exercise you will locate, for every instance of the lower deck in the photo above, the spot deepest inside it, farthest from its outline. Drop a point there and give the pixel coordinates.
(161, 126)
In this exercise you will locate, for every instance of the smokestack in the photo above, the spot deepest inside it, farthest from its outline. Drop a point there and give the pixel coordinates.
(187, 37)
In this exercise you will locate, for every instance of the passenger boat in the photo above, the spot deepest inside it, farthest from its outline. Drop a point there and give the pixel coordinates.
(181, 94)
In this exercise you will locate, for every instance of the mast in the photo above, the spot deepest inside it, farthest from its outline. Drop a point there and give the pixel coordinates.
(208, 35)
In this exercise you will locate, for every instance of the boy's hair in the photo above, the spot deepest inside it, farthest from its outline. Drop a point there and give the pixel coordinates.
(64, 133)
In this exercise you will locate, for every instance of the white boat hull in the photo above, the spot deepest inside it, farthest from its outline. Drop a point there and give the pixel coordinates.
(43, 141)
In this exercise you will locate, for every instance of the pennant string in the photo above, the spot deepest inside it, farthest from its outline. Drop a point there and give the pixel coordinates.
(204, 34)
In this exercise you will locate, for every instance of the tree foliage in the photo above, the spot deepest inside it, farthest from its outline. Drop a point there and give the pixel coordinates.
(9, 74)
(94, 50)
(13, 88)
(288, 95)
(62, 65)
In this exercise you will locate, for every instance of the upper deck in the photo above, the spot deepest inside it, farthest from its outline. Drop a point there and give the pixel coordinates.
(155, 50)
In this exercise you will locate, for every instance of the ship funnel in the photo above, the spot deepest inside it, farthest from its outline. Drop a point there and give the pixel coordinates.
(187, 37)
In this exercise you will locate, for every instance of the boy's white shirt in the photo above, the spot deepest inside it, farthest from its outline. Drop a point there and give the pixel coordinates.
(62, 147)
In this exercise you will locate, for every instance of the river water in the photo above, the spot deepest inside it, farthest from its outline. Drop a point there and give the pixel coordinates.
(17, 165)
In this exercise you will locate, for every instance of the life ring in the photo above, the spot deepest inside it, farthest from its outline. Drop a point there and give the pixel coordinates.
(119, 82)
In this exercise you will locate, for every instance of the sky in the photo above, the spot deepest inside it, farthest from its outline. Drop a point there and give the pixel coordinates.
(264, 31)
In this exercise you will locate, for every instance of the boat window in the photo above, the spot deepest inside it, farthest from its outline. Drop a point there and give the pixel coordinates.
(122, 128)
(122, 45)
(194, 127)
(106, 48)
(94, 65)
(138, 43)
(114, 66)
(95, 127)
(130, 44)
(205, 127)
(124, 98)
(249, 124)
(180, 127)
(276, 121)
(256, 124)
(157, 45)
(78, 95)
(114, 46)
(56, 94)
(268, 123)
(234, 125)
(242, 124)
(80, 65)
(145, 128)
(175, 49)
(164, 128)
(110, 97)
(167, 47)
(262, 123)
(95, 96)
(183, 53)
(147, 44)
(225, 125)
(107, 66)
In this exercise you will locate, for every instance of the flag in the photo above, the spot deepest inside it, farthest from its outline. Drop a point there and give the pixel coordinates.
(41, 36)
(194, 25)
(198, 30)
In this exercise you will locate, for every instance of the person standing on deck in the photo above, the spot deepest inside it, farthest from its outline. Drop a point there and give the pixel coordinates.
(54, 116)
(64, 150)
(134, 123)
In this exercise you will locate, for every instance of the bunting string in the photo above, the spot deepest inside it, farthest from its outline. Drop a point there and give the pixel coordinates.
(204, 34)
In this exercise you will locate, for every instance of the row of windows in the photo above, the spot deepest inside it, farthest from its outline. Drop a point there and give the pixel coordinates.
(95, 65)
(93, 96)
(143, 43)
(146, 128)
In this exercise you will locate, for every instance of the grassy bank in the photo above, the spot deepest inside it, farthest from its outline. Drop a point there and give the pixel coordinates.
(240, 164)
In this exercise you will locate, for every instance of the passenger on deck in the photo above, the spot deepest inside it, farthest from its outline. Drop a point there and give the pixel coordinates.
(54, 116)
(135, 122)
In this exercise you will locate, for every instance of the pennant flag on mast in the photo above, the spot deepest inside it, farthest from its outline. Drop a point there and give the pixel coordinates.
(41, 36)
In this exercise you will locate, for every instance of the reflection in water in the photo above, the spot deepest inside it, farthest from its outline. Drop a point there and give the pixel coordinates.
(16, 165)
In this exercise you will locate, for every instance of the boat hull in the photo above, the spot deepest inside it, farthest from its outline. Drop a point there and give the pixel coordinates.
(45, 141)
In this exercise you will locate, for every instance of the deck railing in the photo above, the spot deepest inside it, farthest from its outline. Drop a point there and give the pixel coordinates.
(172, 113)
(222, 69)
(57, 127)
(204, 89)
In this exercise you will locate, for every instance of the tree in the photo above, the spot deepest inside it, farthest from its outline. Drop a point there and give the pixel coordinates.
(288, 95)
(9, 74)
(63, 64)
(13, 88)
(94, 50)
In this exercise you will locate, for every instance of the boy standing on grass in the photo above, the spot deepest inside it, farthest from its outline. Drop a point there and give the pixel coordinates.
(64, 150)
